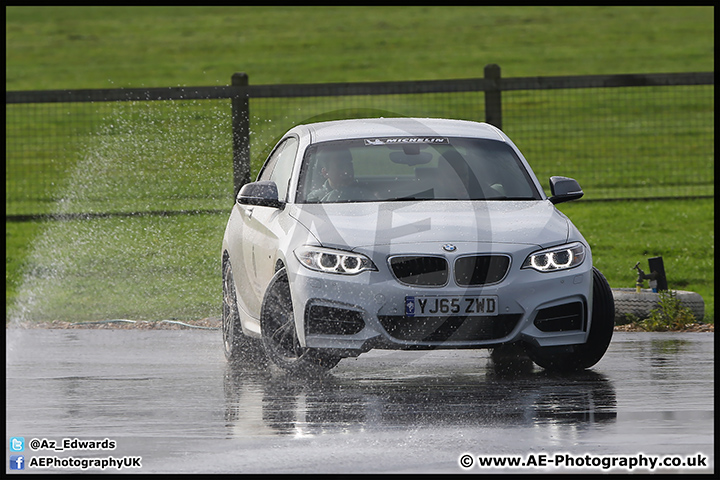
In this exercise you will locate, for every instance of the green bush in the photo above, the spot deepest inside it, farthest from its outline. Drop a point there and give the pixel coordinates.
(669, 315)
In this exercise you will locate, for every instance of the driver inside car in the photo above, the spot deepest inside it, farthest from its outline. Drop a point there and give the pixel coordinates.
(340, 184)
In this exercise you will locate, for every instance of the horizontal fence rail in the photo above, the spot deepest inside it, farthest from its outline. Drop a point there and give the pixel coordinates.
(118, 151)
(361, 88)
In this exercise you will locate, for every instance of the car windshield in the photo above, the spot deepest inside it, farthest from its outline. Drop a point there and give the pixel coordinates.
(413, 168)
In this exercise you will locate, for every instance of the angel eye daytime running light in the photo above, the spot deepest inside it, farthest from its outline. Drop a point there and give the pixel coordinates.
(333, 261)
(556, 259)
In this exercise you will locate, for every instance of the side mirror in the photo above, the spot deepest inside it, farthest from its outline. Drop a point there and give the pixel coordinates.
(263, 193)
(564, 189)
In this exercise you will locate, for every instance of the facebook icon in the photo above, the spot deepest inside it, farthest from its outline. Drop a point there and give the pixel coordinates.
(17, 462)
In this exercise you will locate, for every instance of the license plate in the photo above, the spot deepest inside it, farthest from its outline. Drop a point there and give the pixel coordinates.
(442, 306)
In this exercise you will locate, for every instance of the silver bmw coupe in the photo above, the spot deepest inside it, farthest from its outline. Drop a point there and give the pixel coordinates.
(407, 233)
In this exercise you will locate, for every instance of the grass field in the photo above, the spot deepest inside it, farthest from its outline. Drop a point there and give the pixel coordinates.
(109, 47)
(136, 267)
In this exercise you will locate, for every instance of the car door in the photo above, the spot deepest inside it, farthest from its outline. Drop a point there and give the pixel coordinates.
(261, 229)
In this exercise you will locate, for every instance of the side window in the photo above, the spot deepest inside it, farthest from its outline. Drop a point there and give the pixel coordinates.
(270, 163)
(278, 167)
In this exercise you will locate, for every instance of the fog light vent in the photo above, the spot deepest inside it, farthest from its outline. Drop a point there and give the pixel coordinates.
(325, 320)
(569, 316)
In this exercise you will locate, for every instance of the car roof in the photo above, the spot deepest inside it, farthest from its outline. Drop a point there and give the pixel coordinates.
(401, 127)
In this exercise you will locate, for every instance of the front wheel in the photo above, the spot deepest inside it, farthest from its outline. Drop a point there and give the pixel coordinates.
(580, 357)
(279, 334)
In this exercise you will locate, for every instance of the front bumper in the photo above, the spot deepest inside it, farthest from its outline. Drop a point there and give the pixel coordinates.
(351, 314)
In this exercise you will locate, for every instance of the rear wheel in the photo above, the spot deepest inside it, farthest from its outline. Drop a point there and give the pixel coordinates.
(279, 333)
(580, 357)
(237, 346)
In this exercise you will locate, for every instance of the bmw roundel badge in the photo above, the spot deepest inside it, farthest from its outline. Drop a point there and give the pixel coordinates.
(449, 247)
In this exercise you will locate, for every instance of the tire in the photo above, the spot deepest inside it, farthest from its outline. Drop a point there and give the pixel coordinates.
(629, 302)
(579, 357)
(279, 333)
(237, 346)
(510, 359)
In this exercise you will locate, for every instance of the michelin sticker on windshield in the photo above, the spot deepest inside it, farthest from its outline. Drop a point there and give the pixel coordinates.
(401, 140)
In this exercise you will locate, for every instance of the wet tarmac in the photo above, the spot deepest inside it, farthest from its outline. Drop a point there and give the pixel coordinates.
(169, 403)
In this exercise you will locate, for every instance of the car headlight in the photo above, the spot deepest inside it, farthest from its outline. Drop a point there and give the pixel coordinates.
(328, 260)
(556, 258)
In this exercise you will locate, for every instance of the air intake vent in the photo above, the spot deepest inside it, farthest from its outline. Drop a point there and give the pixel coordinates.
(443, 329)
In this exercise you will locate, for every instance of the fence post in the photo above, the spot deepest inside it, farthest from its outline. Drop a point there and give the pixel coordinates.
(240, 134)
(493, 100)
